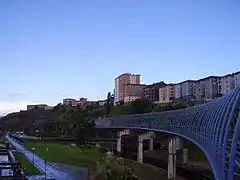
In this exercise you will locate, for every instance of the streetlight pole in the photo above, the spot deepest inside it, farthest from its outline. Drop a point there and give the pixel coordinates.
(33, 149)
(46, 166)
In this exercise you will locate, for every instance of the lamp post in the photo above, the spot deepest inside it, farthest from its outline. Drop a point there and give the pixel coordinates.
(46, 166)
(37, 132)
(33, 149)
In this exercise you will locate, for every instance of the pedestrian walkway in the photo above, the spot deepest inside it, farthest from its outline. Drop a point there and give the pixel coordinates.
(42, 165)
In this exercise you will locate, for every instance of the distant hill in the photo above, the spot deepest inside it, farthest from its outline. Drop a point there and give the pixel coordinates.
(41, 119)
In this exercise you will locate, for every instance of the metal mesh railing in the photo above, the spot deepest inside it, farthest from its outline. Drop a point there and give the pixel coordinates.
(214, 127)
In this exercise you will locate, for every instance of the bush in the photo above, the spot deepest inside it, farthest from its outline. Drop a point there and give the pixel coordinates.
(113, 168)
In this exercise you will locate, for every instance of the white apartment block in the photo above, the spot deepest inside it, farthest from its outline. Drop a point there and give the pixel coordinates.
(177, 91)
(184, 89)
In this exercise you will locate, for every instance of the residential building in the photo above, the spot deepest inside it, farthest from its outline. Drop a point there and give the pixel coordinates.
(120, 82)
(70, 102)
(82, 101)
(225, 84)
(185, 90)
(211, 88)
(177, 91)
(200, 91)
(133, 92)
(207, 89)
(166, 94)
(236, 77)
(151, 92)
(40, 106)
(188, 88)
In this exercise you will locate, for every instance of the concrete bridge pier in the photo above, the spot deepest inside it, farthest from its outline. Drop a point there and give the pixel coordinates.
(185, 156)
(119, 139)
(174, 145)
(98, 145)
(146, 136)
(172, 159)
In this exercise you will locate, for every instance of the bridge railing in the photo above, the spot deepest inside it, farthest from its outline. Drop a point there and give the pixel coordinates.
(212, 126)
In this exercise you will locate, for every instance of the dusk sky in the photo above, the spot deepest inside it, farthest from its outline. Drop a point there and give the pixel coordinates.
(51, 49)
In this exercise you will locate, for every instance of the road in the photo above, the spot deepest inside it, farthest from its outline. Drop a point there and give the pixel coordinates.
(51, 171)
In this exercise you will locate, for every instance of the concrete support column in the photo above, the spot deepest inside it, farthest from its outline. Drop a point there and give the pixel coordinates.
(172, 159)
(98, 145)
(119, 144)
(178, 143)
(140, 151)
(119, 139)
(179, 146)
(185, 156)
(146, 136)
(150, 144)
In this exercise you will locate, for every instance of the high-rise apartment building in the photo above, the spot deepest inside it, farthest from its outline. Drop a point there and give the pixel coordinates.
(166, 94)
(225, 84)
(184, 90)
(211, 88)
(120, 82)
(133, 92)
(206, 89)
(151, 92)
(177, 91)
(236, 77)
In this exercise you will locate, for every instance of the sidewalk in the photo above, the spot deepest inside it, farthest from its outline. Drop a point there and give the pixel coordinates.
(51, 171)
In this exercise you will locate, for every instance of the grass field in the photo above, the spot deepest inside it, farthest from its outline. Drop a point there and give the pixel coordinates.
(87, 157)
(63, 153)
(30, 169)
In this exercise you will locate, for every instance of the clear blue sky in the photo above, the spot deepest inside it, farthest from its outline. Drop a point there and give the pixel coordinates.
(50, 49)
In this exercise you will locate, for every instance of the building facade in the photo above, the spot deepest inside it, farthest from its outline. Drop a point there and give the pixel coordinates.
(225, 84)
(40, 106)
(70, 102)
(120, 82)
(207, 89)
(185, 90)
(82, 101)
(166, 94)
(177, 91)
(236, 77)
(200, 91)
(211, 88)
(133, 92)
(151, 92)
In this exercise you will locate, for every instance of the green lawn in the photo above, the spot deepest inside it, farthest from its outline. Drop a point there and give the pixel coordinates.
(63, 153)
(30, 169)
(88, 157)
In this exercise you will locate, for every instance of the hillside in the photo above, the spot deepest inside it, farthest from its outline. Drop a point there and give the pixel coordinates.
(63, 120)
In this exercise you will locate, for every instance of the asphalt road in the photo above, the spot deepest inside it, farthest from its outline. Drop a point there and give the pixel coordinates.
(51, 171)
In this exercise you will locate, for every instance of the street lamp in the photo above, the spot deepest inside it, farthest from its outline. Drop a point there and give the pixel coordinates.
(33, 149)
(46, 166)
(37, 132)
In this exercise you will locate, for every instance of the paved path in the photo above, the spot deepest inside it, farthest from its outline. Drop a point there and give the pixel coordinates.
(51, 171)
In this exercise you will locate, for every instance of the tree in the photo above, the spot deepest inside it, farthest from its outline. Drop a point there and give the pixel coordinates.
(180, 106)
(57, 107)
(140, 106)
(113, 168)
(109, 103)
(158, 108)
